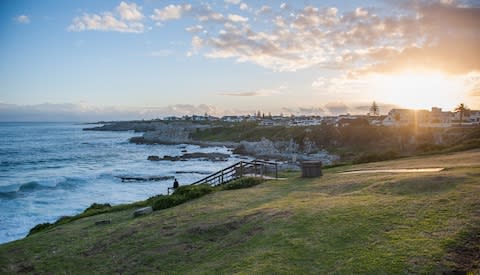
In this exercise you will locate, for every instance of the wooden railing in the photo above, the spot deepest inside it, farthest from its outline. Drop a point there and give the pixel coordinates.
(256, 168)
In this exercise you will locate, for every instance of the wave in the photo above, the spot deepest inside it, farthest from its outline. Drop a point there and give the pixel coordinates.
(33, 186)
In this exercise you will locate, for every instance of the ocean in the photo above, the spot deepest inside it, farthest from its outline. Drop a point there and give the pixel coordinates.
(50, 170)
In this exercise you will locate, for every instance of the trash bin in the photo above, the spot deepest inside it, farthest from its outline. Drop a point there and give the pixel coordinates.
(311, 169)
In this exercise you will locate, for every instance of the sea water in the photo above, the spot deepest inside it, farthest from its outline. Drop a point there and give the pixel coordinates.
(50, 170)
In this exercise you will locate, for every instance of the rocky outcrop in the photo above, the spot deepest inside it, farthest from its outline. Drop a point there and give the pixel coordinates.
(189, 156)
(281, 150)
(150, 178)
(153, 158)
(169, 134)
(142, 211)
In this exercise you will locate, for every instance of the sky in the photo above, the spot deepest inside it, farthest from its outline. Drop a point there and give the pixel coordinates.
(104, 60)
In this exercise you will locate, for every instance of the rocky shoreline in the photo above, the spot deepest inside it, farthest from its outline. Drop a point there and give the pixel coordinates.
(159, 132)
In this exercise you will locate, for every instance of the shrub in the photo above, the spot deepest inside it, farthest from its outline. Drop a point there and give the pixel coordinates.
(242, 183)
(165, 202)
(181, 195)
(97, 206)
(39, 227)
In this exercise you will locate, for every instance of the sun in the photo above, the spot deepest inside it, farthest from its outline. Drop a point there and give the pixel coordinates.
(419, 90)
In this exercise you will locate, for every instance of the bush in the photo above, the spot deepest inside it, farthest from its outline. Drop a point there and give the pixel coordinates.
(181, 195)
(39, 227)
(165, 202)
(242, 183)
(97, 206)
(193, 191)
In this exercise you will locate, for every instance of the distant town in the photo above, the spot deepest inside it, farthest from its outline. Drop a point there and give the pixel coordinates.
(395, 118)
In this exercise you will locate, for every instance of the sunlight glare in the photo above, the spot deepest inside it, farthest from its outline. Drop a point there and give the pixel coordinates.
(419, 90)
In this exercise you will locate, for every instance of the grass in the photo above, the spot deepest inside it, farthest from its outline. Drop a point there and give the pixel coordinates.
(368, 223)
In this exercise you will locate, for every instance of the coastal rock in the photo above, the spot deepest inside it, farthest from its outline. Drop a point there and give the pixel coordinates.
(153, 158)
(198, 155)
(142, 211)
(151, 178)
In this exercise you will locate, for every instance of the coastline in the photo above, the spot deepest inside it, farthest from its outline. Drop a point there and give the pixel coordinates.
(174, 133)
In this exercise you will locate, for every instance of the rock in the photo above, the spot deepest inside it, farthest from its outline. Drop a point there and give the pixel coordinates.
(153, 158)
(103, 222)
(198, 155)
(142, 211)
(151, 178)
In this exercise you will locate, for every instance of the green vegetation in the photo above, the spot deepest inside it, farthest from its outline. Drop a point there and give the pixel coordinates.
(371, 143)
(181, 195)
(243, 183)
(158, 202)
(339, 223)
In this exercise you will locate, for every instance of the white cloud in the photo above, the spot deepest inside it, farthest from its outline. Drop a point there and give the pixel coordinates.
(130, 12)
(361, 12)
(104, 22)
(171, 12)
(243, 6)
(233, 2)
(126, 19)
(194, 29)
(84, 112)
(237, 18)
(320, 82)
(260, 92)
(22, 19)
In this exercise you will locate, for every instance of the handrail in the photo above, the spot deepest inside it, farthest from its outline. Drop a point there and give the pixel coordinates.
(231, 172)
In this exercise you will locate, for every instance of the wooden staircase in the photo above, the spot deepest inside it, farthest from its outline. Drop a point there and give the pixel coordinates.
(255, 168)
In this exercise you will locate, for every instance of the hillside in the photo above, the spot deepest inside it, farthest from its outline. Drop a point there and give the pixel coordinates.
(342, 223)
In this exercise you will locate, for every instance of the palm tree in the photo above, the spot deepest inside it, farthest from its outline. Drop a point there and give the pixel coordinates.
(374, 109)
(463, 110)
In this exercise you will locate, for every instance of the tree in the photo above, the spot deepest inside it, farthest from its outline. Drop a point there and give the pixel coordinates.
(374, 109)
(463, 110)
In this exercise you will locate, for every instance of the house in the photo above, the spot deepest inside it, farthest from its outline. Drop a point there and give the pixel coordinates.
(404, 117)
(232, 118)
(438, 118)
(474, 117)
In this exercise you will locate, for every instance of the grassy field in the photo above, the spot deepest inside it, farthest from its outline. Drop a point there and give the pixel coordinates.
(357, 223)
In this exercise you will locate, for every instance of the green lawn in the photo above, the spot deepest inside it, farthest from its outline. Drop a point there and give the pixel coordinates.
(367, 223)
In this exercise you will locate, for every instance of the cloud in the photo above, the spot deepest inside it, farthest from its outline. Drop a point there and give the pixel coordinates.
(475, 92)
(22, 19)
(237, 18)
(319, 82)
(451, 41)
(126, 19)
(130, 12)
(194, 29)
(83, 112)
(243, 6)
(170, 12)
(362, 40)
(233, 2)
(240, 94)
(261, 92)
(337, 108)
